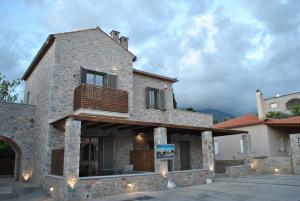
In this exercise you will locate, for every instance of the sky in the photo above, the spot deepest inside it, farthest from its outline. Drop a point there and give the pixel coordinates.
(221, 51)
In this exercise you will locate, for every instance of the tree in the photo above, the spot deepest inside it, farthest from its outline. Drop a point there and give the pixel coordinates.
(8, 88)
(295, 110)
(277, 115)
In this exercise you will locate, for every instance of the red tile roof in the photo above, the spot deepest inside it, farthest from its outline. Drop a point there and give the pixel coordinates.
(246, 120)
(250, 119)
(292, 121)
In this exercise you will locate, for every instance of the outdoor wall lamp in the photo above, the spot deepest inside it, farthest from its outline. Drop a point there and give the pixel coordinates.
(26, 175)
(276, 170)
(51, 189)
(211, 168)
(72, 182)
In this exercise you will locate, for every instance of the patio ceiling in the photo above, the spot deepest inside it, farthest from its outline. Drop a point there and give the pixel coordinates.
(141, 126)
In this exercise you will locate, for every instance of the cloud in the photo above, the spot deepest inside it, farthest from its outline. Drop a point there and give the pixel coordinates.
(220, 51)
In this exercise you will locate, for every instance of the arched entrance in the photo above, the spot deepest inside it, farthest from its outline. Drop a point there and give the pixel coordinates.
(10, 155)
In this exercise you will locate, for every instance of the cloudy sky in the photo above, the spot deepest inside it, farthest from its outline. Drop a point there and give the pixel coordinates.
(221, 51)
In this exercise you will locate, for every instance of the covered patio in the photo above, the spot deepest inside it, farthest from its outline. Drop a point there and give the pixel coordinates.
(121, 152)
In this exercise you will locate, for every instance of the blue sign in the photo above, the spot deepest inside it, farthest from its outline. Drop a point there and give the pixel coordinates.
(165, 151)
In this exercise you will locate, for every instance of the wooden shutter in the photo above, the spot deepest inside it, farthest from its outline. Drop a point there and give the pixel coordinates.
(162, 100)
(147, 98)
(112, 81)
(82, 75)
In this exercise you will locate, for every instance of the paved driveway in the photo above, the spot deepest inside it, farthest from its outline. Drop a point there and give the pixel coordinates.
(258, 188)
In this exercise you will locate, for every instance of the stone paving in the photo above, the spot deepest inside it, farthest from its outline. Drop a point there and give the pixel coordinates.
(258, 188)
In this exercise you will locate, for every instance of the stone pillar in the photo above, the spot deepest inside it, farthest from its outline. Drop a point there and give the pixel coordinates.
(295, 152)
(71, 156)
(208, 151)
(160, 137)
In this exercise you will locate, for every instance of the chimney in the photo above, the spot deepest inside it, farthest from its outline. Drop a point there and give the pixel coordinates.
(124, 42)
(260, 105)
(115, 35)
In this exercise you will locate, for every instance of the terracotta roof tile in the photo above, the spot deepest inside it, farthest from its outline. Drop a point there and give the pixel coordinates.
(292, 121)
(250, 119)
(246, 120)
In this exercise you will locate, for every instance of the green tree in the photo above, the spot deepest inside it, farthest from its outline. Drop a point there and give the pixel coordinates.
(8, 88)
(277, 115)
(215, 121)
(295, 110)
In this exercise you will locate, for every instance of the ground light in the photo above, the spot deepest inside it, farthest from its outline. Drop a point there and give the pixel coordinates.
(276, 170)
(51, 189)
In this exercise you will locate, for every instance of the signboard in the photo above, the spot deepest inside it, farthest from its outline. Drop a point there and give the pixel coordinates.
(165, 151)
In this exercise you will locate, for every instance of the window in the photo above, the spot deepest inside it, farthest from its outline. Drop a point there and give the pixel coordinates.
(299, 143)
(98, 78)
(95, 78)
(281, 145)
(292, 103)
(153, 98)
(242, 149)
(274, 105)
(216, 148)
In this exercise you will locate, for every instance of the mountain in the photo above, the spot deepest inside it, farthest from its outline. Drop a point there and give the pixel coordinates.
(217, 114)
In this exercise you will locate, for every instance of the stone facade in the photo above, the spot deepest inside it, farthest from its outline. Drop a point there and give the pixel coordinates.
(18, 130)
(269, 165)
(238, 171)
(280, 103)
(50, 86)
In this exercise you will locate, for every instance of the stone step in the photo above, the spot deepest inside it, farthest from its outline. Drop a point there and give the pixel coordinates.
(6, 191)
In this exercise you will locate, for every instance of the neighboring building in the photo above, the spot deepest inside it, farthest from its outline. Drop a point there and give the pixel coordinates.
(282, 103)
(270, 138)
(93, 120)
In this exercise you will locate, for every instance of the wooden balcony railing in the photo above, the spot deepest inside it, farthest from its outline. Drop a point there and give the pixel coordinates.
(100, 98)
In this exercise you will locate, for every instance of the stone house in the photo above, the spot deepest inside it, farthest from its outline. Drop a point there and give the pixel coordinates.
(282, 103)
(271, 140)
(93, 122)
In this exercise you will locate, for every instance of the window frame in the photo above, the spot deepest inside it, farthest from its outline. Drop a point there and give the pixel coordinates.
(242, 146)
(156, 105)
(96, 73)
(216, 148)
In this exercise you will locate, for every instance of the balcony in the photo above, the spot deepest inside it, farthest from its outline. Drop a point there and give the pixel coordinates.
(93, 97)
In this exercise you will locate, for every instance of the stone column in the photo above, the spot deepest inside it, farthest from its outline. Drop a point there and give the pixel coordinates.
(160, 137)
(208, 151)
(295, 152)
(71, 156)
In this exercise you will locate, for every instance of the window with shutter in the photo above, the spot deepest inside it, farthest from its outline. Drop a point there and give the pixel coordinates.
(155, 99)
(111, 81)
(93, 77)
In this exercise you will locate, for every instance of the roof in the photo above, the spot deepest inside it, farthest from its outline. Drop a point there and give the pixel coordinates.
(142, 126)
(250, 119)
(286, 122)
(49, 41)
(246, 120)
(165, 78)
(282, 95)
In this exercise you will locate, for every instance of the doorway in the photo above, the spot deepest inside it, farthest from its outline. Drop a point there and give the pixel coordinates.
(9, 159)
(185, 153)
(96, 156)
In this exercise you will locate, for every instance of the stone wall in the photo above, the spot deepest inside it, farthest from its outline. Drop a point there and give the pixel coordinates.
(238, 171)
(268, 165)
(281, 102)
(38, 85)
(97, 187)
(54, 186)
(91, 49)
(170, 115)
(18, 126)
(220, 165)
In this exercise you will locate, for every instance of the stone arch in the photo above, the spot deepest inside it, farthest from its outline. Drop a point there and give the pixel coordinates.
(292, 102)
(16, 148)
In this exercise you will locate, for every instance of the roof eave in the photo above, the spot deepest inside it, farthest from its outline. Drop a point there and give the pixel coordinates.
(42, 51)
